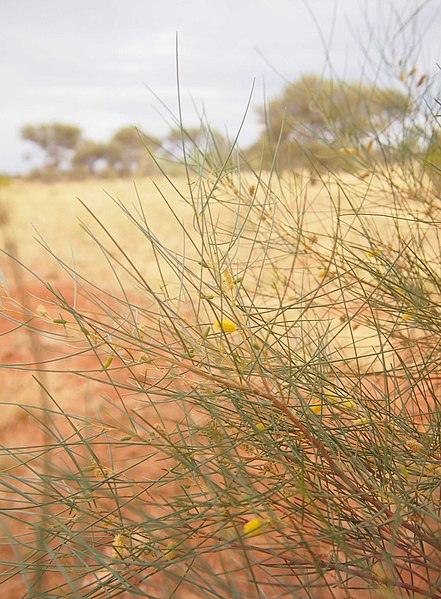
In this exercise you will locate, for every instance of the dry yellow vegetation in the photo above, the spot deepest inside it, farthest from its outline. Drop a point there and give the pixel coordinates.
(53, 210)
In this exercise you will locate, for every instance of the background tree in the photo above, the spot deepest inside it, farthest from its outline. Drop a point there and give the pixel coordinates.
(126, 152)
(432, 159)
(322, 115)
(57, 140)
(89, 156)
(195, 143)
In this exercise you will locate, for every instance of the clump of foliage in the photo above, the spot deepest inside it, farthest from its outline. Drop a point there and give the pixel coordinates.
(327, 119)
(57, 140)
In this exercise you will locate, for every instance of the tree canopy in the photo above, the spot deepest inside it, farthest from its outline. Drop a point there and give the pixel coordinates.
(88, 155)
(67, 151)
(127, 151)
(323, 114)
(326, 109)
(56, 140)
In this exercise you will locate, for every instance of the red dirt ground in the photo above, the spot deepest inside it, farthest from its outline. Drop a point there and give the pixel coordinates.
(21, 427)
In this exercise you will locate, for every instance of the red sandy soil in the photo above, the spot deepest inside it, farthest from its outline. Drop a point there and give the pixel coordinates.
(93, 407)
(22, 424)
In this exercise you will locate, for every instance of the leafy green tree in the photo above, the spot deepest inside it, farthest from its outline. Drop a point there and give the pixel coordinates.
(57, 140)
(322, 114)
(328, 109)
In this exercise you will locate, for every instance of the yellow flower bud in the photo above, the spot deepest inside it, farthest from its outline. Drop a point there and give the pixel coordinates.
(118, 547)
(255, 527)
(108, 362)
(225, 325)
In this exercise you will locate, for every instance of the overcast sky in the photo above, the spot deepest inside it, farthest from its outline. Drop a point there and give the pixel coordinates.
(93, 62)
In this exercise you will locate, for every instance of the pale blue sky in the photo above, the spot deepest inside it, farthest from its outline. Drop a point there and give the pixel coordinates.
(90, 62)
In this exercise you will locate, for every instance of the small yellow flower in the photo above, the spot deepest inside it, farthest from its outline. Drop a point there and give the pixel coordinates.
(347, 151)
(348, 404)
(260, 426)
(171, 551)
(225, 325)
(360, 421)
(228, 283)
(316, 408)
(118, 547)
(372, 253)
(332, 397)
(144, 358)
(255, 527)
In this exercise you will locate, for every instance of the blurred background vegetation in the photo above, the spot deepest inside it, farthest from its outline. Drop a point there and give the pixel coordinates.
(315, 123)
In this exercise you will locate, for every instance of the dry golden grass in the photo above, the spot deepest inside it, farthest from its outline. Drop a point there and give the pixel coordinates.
(54, 211)
(325, 212)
